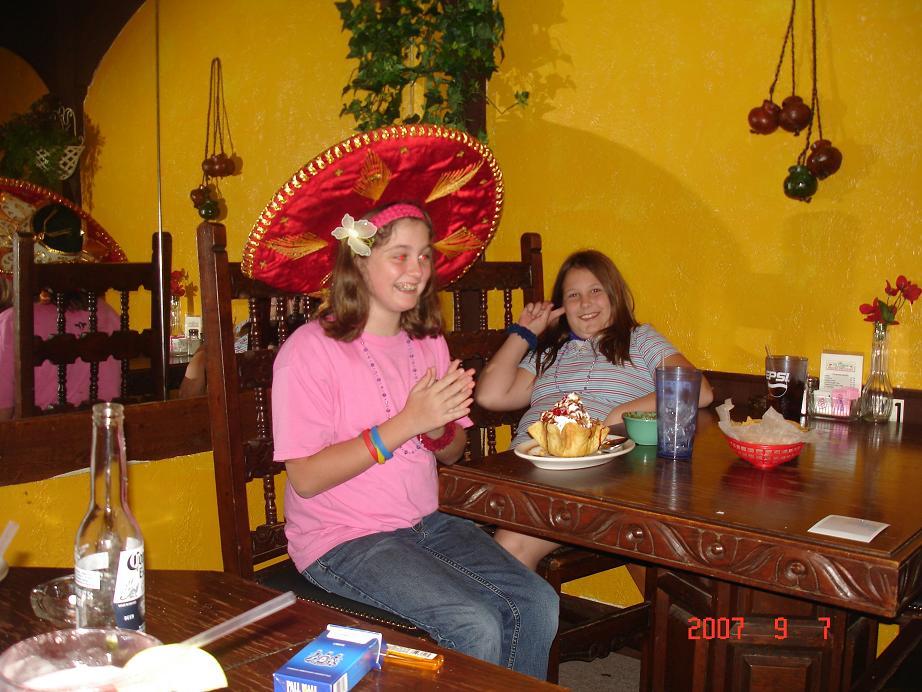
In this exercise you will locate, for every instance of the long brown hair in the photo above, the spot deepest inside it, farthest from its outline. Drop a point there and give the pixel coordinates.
(615, 339)
(344, 311)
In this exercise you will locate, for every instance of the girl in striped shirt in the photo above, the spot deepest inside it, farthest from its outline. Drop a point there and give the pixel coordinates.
(592, 345)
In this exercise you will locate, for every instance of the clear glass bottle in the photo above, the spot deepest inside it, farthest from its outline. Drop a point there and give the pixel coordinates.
(109, 549)
(877, 393)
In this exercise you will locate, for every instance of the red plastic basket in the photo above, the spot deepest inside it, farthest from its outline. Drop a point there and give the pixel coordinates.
(765, 456)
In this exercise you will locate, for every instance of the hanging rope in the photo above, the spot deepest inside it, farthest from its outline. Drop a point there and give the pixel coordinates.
(815, 97)
(215, 161)
(788, 36)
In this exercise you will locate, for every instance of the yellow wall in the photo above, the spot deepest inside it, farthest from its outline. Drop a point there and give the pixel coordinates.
(635, 141)
(20, 85)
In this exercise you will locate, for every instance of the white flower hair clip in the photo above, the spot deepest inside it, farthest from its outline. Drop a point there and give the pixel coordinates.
(359, 234)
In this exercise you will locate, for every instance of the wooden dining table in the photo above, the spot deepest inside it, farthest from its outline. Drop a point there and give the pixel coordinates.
(182, 603)
(743, 595)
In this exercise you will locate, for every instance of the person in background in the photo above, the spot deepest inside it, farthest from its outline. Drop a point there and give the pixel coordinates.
(6, 293)
(365, 402)
(46, 374)
(591, 344)
(63, 233)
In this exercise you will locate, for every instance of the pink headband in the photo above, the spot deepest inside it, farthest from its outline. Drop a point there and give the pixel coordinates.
(397, 211)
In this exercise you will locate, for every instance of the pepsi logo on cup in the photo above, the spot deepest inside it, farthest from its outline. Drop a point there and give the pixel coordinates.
(777, 383)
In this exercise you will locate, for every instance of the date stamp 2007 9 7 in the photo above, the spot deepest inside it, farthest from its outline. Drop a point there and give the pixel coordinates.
(732, 628)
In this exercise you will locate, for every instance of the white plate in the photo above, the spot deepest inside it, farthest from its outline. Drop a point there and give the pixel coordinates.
(532, 451)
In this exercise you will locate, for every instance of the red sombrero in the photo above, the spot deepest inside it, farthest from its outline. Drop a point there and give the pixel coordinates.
(64, 232)
(447, 172)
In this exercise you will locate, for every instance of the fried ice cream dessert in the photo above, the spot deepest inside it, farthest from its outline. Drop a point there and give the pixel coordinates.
(567, 430)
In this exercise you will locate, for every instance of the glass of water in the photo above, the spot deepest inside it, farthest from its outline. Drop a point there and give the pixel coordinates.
(677, 392)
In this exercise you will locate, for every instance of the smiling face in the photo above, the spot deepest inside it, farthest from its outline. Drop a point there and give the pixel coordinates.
(396, 274)
(586, 303)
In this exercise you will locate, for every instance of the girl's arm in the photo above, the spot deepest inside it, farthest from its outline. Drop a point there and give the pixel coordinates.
(648, 402)
(503, 385)
(430, 406)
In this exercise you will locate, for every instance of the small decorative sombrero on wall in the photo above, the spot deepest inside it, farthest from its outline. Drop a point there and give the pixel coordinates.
(447, 172)
(64, 232)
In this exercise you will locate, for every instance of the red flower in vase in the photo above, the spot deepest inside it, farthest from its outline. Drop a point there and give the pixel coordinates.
(178, 282)
(905, 291)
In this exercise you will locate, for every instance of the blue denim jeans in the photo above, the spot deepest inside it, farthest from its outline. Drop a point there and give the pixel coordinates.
(449, 578)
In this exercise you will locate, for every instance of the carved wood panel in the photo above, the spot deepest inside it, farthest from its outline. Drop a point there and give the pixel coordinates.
(758, 561)
(717, 637)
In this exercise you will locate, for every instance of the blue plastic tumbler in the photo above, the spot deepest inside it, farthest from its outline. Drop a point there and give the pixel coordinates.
(677, 393)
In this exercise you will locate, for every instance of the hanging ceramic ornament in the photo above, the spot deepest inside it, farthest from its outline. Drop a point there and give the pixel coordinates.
(824, 159)
(216, 163)
(795, 114)
(800, 183)
(763, 120)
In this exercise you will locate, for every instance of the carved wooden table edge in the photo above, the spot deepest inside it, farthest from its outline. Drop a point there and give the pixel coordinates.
(825, 575)
(181, 603)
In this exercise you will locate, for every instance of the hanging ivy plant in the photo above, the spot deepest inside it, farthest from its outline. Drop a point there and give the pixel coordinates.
(448, 48)
(25, 134)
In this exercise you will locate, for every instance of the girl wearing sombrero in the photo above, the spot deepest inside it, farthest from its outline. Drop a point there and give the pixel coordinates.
(366, 399)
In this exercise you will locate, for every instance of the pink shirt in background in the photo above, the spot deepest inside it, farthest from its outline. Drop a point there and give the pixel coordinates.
(323, 392)
(46, 374)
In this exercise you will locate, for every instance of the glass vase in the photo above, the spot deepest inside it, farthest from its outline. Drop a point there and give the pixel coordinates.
(877, 393)
(177, 328)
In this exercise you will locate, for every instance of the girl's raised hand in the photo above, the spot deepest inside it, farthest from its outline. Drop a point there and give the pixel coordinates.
(433, 402)
(537, 316)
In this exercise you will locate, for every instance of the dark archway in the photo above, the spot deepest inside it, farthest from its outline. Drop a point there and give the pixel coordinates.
(64, 41)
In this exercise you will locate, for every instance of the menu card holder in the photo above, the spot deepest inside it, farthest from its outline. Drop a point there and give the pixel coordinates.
(839, 391)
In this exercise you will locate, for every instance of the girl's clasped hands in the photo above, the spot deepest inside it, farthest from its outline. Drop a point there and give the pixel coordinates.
(435, 402)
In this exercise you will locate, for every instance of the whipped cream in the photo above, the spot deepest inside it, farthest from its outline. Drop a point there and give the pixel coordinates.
(566, 411)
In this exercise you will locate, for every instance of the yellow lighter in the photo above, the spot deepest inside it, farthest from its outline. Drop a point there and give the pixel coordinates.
(413, 658)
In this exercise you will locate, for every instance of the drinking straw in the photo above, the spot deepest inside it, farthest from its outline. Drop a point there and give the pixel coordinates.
(767, 352)
(240, 621)
(7, 536)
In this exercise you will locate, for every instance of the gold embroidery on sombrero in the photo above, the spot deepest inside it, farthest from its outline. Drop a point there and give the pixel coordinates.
(373, 178)
(460, 241)
(452, 181)
(295, 247)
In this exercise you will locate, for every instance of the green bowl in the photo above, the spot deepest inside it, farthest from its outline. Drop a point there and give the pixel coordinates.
(641, 426)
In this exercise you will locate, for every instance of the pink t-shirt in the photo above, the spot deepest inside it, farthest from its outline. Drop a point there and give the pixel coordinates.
(46, 374)
(325, 391)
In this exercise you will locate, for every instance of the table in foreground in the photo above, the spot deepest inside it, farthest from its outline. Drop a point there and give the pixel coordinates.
(744, 597)
(183, 603)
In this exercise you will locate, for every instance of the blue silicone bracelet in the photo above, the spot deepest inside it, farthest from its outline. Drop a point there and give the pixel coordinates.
(376, 439)
(530, 337)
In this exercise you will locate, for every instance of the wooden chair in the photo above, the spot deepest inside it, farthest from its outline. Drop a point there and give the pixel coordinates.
(241, 423)
(93, 280)
(588, 630)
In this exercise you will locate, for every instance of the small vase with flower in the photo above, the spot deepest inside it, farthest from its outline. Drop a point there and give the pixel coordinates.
(877, 393)
(178, 280)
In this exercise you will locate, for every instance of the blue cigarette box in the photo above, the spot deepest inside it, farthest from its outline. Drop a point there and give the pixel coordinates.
(333, 662)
